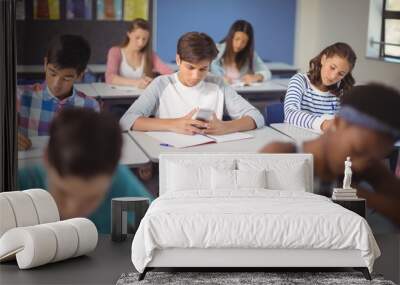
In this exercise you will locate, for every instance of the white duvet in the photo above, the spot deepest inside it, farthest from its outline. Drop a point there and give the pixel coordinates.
(250, 219)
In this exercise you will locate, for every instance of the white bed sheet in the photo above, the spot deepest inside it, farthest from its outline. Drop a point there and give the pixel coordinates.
(253, 218)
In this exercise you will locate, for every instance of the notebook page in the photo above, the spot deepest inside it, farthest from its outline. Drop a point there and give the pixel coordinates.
(230, 137)
(179, 140)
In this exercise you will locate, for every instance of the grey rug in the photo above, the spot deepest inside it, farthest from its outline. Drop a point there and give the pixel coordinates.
(229, 278)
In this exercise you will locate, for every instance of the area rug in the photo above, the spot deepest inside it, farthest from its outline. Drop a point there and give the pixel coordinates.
(243, 278)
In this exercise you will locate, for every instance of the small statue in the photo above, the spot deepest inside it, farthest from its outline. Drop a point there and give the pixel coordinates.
(347, 174)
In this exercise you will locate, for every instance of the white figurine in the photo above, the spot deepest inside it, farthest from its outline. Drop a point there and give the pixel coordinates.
(347, 174)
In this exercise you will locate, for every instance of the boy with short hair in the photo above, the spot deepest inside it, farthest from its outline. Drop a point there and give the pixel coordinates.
(174, 99)
(80, 167)
(65, 63)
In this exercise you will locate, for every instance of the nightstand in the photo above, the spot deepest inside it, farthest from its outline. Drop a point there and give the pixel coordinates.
(119, 215)
(355, 205)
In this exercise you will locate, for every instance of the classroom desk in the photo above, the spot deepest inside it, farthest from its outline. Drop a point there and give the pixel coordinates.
(282, 70)
(107, 92)
(262, 137)
(113, 100)
(261, 89)
(132, 155)
(269, 86)
(104, 265)
(261, 93)
(297, 134)
(279, 69)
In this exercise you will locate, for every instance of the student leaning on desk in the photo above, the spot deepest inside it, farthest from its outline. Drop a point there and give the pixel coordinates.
(174, 99)
(312, 99)
(80, 168)
(134, 63)
(237, 60)
(64, 63)
(365, 128)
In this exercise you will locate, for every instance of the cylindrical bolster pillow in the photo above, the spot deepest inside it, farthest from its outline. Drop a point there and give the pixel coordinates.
(33, 246)
(67, 240)
(37, 245)
(87, 234)
(7, 218)
(26, 208)
(23, 208)
(45, 205)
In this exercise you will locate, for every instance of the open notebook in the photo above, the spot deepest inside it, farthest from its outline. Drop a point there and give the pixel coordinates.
(181, 141)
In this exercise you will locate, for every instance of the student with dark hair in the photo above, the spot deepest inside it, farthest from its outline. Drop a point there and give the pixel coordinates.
(81, 166)
(365, 128)
(174, 99)
(237, 59)
(64, 64)
(313, 99)
(133, 62)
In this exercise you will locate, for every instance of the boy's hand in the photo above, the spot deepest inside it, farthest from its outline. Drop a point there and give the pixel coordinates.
(24, 143)
(187, 125)
(326, 125)
(216, 127)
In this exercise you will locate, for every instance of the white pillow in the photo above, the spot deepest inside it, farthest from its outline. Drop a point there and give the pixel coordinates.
(251, 178)
(186, 175)
(226, 179)
(292, 180)
(281, 174)
(223, 179)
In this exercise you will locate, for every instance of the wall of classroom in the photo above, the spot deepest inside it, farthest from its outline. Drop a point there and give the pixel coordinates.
(340, 20)
(272, 20)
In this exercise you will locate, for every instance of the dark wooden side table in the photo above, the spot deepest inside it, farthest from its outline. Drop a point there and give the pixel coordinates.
(355, 205)
(119, 215)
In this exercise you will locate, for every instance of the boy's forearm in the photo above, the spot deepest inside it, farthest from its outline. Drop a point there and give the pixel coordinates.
(152, 124)
(245, 123)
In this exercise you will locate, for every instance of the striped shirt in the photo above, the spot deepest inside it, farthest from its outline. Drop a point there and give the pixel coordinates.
(306, 106)
(37, 107)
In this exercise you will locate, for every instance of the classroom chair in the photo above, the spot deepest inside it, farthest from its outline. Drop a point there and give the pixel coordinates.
(274, 113)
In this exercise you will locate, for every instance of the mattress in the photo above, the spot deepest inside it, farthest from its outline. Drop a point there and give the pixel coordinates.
(251, 219)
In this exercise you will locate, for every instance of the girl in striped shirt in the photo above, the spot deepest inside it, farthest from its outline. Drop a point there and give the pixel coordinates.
(312, 99)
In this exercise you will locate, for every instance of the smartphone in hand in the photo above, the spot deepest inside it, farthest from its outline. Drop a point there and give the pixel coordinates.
(204, 115)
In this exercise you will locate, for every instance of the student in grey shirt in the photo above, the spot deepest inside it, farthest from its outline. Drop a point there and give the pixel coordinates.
(174, 100)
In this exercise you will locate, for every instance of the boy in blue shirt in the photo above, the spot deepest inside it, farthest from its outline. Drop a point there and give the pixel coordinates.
(81, 167)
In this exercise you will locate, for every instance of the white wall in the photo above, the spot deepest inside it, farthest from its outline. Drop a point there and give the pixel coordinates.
(320, 23)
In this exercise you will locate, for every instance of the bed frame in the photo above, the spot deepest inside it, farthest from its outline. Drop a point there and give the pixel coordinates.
(241, 259)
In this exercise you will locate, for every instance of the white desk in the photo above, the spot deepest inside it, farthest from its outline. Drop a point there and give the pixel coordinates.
(273, 85)
(132, 155)
(262, 137)
(106, 91)
(297, 134)
(279, 68)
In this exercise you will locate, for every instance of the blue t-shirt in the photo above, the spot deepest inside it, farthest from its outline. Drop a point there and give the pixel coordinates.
(124, 184)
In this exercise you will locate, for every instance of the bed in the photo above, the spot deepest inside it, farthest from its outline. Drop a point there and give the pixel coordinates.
(247, 210)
